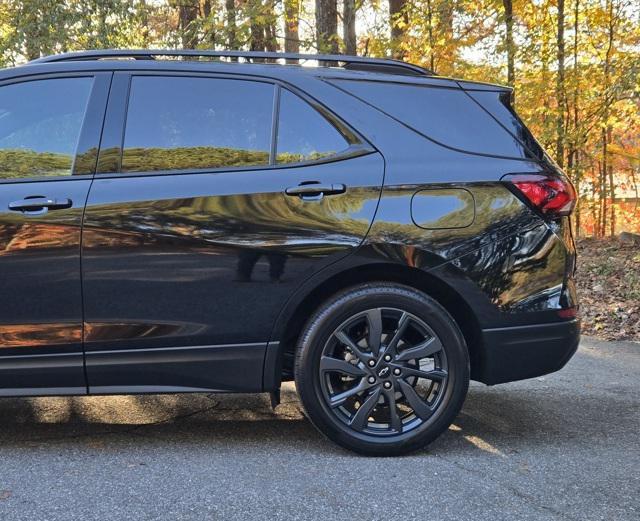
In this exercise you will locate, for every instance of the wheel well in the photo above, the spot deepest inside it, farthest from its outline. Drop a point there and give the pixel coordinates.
(413, 277)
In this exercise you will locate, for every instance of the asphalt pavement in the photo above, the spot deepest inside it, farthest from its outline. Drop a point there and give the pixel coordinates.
(561, 447)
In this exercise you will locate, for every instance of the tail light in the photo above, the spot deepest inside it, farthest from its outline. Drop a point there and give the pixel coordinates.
(568, 312)
(553, 196)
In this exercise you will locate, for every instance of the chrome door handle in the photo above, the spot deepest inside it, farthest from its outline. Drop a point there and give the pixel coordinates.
(33, 204)
(316, 190)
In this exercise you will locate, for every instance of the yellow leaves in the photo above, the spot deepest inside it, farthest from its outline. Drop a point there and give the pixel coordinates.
(616, 149)
(466, 38)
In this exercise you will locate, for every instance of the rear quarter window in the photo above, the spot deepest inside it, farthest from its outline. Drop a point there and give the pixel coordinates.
(499, 105)
(447, 116)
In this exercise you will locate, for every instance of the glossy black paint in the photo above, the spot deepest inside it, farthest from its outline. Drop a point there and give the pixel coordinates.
(193, 280)
(210, 258)
(443, 208)
(41, 309)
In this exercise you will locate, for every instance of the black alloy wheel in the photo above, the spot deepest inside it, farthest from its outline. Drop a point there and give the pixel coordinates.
(382, 369)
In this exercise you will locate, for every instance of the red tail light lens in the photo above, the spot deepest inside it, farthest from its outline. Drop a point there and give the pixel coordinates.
(551, 195)
(568, 313)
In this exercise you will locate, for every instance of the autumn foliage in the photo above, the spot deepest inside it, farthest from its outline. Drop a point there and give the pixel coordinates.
(574, 64)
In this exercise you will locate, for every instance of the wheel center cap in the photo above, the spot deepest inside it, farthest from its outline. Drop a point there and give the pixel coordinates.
(384, 372)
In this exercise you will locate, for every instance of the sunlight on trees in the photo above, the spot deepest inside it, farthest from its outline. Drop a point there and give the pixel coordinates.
(574, 63)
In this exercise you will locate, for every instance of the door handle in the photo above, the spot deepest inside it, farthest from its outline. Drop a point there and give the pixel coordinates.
(314, 191)
(33, 204)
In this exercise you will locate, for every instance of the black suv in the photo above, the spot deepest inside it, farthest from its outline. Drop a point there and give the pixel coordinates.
(175, 221)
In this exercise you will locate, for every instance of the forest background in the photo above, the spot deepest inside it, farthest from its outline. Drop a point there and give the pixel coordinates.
(574, 64)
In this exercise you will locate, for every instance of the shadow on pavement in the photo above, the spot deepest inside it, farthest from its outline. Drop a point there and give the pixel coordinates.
(497, 421)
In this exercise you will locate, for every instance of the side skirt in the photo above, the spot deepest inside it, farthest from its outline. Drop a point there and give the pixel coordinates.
(219, 368)
(48, 374)
(42, 391)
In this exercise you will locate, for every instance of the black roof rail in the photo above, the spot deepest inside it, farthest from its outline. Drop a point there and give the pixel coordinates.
(386, 65)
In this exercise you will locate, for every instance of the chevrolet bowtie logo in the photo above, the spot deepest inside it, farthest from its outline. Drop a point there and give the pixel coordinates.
(384, 372)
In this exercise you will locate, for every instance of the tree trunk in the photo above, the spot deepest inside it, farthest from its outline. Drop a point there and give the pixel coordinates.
(578, 208)
(560, 87)
(446, 52)
(187, 14)
(349, 26)
(33, 32)
(256, 27)
(211, 33)
(271, 42)
(508, 41)
(432, 62)
(262, 26)
(398, 19)
(574, 153)
(257, 35)
(612, 190)
(547, 135)
(595, 216)
(230, 7)
(291, 25)
(327, 25)
(607, 174)
(602, 179)
(144, 22)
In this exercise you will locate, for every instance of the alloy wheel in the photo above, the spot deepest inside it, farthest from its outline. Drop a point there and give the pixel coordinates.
(383, 372)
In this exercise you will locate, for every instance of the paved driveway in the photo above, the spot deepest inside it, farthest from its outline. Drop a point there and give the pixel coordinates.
(566, 446)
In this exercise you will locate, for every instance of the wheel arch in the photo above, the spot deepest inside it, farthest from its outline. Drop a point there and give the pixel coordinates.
(281, 349)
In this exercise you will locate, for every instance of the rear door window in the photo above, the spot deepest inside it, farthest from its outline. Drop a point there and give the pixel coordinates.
(191, 123)
(303, 133)
(40, 124)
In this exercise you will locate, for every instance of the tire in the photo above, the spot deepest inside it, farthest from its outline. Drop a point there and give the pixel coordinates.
(382, 369)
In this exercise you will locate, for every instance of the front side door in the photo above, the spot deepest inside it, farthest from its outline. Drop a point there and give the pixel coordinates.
(49, 132)
(203, 224)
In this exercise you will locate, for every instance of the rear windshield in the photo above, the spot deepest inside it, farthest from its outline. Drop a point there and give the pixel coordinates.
(447, 116)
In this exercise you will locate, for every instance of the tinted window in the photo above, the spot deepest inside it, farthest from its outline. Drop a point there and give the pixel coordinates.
(499, 104)
(178, 123)
(448, 116)
(303, 133)
(40, 123)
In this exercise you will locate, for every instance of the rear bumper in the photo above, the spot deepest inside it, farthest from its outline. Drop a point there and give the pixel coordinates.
(517, 353)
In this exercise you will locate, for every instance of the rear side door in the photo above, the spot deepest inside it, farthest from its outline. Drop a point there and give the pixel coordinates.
(49, 133)
(215, 198)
